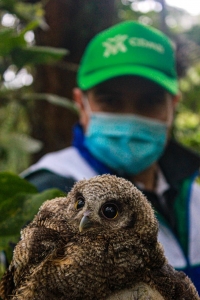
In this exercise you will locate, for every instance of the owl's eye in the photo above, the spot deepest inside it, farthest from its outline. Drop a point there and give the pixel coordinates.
(110, 210)
(79, 203)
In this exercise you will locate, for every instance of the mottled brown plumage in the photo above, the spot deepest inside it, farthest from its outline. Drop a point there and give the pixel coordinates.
(100, 242)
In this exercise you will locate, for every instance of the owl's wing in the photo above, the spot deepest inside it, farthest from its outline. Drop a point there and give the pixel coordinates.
(7, 284)
(185, 289)
(36, 245)
(174, 284)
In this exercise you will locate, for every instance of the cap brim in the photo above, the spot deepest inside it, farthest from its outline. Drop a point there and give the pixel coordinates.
(92, 79)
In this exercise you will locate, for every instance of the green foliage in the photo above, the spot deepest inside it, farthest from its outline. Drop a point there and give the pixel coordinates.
(53, 99)
(36, 55)
(194, 33)
(187, 122)
(19, 202)
(26, 12)
(126, 12)
(15, 141)
(187, 129)
(16, 55)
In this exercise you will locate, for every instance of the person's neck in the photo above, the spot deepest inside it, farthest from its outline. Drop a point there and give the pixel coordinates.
(147, 179)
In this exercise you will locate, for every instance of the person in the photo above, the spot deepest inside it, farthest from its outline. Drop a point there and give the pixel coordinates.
(127, 94)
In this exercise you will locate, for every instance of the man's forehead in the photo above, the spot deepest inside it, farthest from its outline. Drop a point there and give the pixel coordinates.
(127, 83)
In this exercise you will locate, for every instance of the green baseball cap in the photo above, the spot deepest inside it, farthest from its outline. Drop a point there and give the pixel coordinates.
(129, 48)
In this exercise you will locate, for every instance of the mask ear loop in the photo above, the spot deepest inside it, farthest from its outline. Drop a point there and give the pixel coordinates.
(87, 104)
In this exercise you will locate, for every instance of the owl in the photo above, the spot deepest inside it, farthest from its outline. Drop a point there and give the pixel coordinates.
(99, 242)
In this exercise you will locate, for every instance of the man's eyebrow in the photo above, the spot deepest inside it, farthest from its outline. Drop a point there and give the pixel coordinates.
(154, 93)
(106, 92)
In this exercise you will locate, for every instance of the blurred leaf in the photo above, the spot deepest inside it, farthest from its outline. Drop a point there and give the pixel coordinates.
(7, 4)
(21, 142)
(10, 185)
(54, 99)
(9, 41)
(187, 120)
(30, 26)
(37, 55)
(26, 12)
(15, 139)
(19, 202)
(29, 11)
(21, 208)
(187, 128)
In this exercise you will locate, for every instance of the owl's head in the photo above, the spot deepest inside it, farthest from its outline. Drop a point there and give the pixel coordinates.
(109, 203)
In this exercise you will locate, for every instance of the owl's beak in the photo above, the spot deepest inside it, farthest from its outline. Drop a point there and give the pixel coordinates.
(85, 222)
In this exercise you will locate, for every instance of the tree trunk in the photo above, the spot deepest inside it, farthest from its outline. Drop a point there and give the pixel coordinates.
(72, 23)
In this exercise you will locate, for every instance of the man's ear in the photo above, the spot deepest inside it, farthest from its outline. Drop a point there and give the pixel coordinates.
(78, 97)
(176, 99)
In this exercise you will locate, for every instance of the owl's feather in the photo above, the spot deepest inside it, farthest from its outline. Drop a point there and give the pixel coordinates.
(99, 242)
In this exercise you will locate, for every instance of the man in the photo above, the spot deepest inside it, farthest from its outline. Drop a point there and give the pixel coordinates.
(127, 93)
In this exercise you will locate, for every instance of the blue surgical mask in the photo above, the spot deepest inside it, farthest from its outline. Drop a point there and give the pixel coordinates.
(127, 144)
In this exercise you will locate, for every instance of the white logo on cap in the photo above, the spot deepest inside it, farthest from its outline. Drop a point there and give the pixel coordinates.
(140, 42)
(115, 45)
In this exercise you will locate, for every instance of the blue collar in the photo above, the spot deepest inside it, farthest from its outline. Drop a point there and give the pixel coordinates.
(78, 142)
